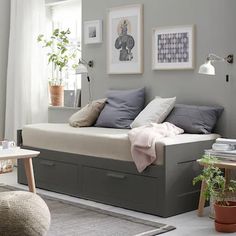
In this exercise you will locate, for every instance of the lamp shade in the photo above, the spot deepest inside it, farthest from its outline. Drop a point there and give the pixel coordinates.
(81, 69)
(207, 68)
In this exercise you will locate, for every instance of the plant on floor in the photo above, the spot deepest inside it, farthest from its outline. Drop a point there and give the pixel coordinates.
(219, 188)
(216, 183)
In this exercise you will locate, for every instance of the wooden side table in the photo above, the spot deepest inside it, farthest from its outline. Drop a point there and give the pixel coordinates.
(223, 164)
(27, 156)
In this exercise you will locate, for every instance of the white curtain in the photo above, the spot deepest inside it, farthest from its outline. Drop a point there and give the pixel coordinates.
(27, 92)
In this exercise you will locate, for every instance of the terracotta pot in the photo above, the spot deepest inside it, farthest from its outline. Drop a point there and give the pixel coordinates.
(57, 95)
(225, 217)
(226, 228)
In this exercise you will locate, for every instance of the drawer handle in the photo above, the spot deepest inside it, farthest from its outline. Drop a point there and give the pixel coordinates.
(116, 176)
(47, 163)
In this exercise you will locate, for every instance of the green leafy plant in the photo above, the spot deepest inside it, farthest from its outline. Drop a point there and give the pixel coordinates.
(216, 185)
(61, 52)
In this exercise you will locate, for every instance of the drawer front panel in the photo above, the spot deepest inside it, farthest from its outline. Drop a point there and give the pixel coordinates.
(56, 176)
(127, 190)
(52, 175)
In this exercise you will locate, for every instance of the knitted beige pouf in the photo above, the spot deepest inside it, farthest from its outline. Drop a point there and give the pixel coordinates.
(23, 214)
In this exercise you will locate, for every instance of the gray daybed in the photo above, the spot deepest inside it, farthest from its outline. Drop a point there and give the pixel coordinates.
(96, 164)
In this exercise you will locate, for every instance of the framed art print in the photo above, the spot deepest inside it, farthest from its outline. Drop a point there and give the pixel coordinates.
(125, 40)
(173, 48)
(93, 31)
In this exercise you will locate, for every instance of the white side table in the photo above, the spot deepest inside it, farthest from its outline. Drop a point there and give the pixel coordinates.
(27, 156)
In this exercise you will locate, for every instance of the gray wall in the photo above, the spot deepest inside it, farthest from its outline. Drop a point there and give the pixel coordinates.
(4, 36)
(215, 32)
(60, 114)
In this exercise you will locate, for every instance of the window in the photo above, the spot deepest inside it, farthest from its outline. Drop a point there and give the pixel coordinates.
(64, 15)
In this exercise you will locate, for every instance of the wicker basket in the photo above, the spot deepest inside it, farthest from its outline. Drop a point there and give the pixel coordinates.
(6, 166)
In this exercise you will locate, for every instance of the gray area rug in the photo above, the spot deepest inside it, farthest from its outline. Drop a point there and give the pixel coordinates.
(73, 219)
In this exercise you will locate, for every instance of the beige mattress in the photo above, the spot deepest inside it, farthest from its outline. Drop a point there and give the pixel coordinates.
(94, 141)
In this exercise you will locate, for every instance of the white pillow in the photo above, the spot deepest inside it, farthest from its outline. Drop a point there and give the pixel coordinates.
(156, 111)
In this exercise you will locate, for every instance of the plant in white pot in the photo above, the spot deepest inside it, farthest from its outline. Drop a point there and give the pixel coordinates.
(220, 189)
(62, 54)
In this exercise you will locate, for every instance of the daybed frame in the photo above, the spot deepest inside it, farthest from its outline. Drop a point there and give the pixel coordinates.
(163, 190)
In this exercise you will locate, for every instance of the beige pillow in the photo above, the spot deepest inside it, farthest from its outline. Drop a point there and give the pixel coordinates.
(156, 111)
(88, 115)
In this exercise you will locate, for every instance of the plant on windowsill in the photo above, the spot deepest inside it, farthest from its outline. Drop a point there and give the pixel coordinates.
(219, 189)
(62, 55)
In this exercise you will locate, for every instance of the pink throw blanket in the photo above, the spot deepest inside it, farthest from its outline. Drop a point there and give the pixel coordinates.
(143, 140)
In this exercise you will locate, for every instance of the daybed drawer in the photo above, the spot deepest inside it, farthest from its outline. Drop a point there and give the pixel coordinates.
(126, 190)
(56, 176)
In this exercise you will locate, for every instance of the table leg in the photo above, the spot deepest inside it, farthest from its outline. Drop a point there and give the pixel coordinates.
(29, 174)
(202, 199)
(227, 176)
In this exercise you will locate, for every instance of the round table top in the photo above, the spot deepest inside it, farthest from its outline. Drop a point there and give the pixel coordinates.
(17, 153)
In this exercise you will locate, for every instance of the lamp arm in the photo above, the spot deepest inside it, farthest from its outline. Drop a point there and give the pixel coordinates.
(213, 57)
(82, 61)
(89, 63)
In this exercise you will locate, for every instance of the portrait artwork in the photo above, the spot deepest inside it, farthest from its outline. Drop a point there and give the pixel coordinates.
(125, 41)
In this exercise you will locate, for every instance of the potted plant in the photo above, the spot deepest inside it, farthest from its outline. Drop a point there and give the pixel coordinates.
(219, 189)
(61, 55)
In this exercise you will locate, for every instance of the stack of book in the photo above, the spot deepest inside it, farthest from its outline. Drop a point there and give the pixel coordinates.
(224, 149)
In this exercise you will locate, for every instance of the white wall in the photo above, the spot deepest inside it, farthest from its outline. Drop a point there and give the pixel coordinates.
(215, 32)
(4, 38)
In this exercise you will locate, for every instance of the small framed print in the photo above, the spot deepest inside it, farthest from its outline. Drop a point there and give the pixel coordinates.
(93, 31)
(173, 48)
(125, 40)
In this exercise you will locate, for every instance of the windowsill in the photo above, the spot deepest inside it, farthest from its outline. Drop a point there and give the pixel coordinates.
(62, 108)
(58, 114)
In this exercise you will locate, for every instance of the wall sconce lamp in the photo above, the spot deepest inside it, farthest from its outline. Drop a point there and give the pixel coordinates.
(82, 68)
(208, 69)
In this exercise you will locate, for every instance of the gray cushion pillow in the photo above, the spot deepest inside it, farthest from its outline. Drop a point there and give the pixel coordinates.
(122, 106)
(195, 119)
